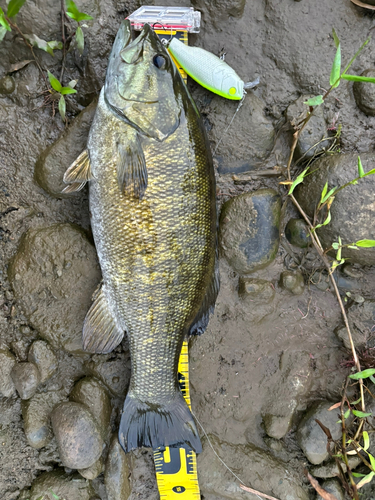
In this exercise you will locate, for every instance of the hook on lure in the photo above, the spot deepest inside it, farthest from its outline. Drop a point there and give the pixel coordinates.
(209, 70)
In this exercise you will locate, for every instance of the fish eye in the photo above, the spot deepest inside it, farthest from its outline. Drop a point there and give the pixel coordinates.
(160, 61)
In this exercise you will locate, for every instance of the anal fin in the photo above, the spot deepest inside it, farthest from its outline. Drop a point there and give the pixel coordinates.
(100, 332)
(78, 173)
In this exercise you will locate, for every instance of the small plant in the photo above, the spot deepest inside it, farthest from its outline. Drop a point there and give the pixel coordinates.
(62, 91)
(322, 217)
(73, 12)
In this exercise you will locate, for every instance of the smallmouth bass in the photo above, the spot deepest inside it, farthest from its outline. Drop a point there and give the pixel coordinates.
(153, 217)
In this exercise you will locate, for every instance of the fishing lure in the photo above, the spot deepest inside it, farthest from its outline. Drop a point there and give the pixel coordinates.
(209, 70)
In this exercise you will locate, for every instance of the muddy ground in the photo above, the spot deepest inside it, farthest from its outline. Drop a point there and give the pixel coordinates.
(265, 357)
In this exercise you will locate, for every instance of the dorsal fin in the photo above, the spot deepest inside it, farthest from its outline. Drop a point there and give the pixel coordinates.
(78, 173)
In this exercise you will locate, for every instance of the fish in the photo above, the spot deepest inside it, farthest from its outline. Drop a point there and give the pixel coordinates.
(152, 199)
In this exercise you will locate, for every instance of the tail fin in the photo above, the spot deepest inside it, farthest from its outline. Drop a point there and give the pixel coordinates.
(151, 425)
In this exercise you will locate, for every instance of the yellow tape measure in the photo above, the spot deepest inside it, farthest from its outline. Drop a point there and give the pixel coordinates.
(176, 468)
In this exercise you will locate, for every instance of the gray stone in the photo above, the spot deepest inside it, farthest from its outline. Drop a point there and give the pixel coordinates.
(364, 93)
(54, 161)
(286, 392)
(353, 210)
(117, 472)
(26, 379)
(114, 373)
(69, 486)
(259, 469)
(330, 469)
(313, 133)
(20, 348)
(36, 417)
(7, 361)
(42, 355)
(91, 393)
(332, 486)
(292, 281)
(297, 234)
(7, 85)
(93, 471)
(311, 437)
(54, 275)
(255, 289)
(251, 139)
(77, 434)
(249, 230)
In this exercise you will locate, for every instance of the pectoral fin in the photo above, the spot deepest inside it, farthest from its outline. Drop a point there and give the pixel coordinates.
(78, 173)
(131, 167)
(100, 332)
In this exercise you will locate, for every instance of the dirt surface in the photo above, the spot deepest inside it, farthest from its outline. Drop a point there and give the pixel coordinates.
(266, 356)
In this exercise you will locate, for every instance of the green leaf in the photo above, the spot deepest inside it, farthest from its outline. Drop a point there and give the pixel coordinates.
(315, 101)
(370, 172)
(55, 84)
(329, 194)
(361, 414)
(357, 474)
(364, 374)
(366, 440)
(67, 90)
(352, 247)
(334, 78)
(335, 38)
(54, 495)
(298, 180)
(365, 480)
(361, 172)
(372, 379)
(327, 221)
(324, 191)
(346, 414)
(73, 12)
(359, 399)
(72, 84)
(14, 7)
(2, 33)
(42, 44)
(357, 78)
(335, 246)
(62, 107)
(80, 40)
(372, 460)
(4, 23)
(365, 244)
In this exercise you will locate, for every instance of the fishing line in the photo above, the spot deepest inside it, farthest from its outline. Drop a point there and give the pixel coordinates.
(213, 449)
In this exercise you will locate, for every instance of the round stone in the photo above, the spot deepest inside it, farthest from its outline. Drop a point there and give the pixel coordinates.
(26, 379)
(93, 471)
(364, 93)
(78, 436)
(297, 234)
(258, 290)
(249, 230)
(42, 355)
(69, 486)
(292, 281)
(91, 393)
(7, 85)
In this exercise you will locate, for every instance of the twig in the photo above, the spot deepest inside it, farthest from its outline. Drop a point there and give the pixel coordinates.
(343, 445)
(263, 495)
(63, 39)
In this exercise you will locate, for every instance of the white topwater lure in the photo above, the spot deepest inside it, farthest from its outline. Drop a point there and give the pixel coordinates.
(209, 70)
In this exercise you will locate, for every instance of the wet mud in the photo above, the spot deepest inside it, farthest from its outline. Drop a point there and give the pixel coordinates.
(273, 348)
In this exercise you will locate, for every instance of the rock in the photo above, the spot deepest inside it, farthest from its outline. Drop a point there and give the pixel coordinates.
(259, 469)
(332, 486)
(54, 275)
(361, 322)
(7, 85)
(78, 437)
(93, 471)
(54, 161)
(221, 9)
(252, 138)
(297, 234)
(364, 93)
(20, 348)
(44, 358)
(114, 373)
(259, 290)
(311, 437)
(292, 281)
(330, 469)
(313, 133)
(36, 417)
(286, 391)
(26, 379)
(249, 230)
(7, 361)
(91, 393)
(117, 472)
(353, 210)
(69, 486)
